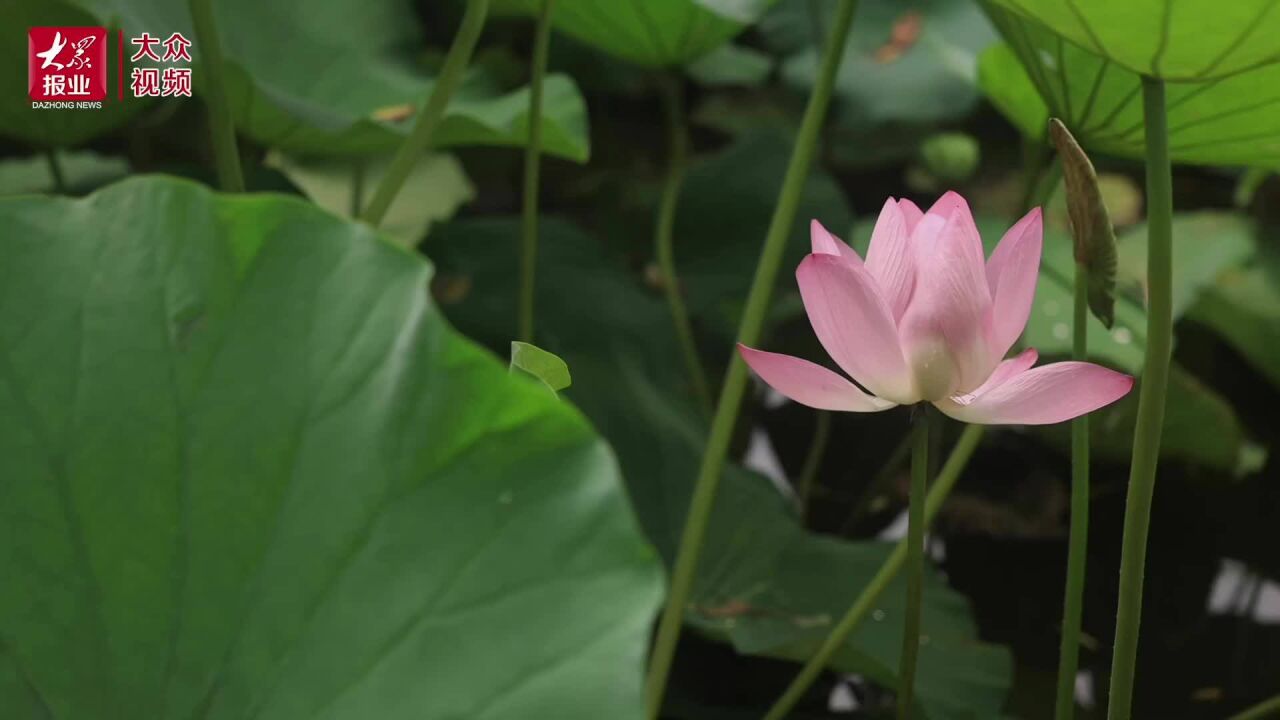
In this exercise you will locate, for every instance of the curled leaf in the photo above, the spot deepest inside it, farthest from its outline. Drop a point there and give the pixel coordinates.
(543, 365)
(1095, 239)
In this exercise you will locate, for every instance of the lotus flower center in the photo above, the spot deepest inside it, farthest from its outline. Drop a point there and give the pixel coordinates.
(933, 368)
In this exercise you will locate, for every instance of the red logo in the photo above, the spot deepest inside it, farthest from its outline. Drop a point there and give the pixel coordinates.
(67, 63)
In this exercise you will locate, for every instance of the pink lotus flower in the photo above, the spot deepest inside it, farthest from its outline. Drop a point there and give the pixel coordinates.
(925, 318)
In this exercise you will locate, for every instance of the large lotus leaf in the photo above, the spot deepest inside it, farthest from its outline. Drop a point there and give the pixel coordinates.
(776, 590)
(51, 128)
(1234, 120)
(340, 77)
(904, 62)
(249, 471)
(1188, 40)
(653, 33)
(764, 584)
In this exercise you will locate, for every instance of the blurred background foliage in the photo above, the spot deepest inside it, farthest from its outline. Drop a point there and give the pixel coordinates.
(932, 95)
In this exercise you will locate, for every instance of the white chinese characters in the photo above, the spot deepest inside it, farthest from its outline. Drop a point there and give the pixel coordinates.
(70, 78)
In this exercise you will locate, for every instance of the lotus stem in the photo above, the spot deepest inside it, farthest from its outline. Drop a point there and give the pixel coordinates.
(209, 45)
(871, 594)
(1035, 163)
(1265, 709)
(664, 239)
(1078, 542)
(915, 561)
(1155, 378)
(1041, 174)
(812, 461)
(726, 415)
(451, 74)
(532, 167)
(55, 171)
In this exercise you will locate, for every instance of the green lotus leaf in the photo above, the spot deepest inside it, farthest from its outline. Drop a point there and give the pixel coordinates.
(251, 472)
(1183, 40)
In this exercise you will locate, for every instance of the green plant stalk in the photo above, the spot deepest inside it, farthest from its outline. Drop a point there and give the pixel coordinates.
(532, 167)
(1035, 163)
(812, 461)
(451, 75)
(704, 492)
(209, 45)
(870, 595)
(915, 561)
(1048, 184)
(1078, 542)
(1266, 709)
(1155, 378)
(664, 239)
(1248, 184)
(55, 171)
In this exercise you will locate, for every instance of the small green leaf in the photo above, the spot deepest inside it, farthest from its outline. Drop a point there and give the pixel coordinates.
(1094, 238)
(545, 366)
